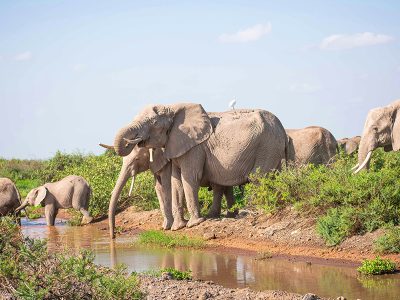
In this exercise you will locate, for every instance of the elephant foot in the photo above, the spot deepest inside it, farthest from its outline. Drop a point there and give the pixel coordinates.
(167, 224)
(232, 214)
(213, 215)
(194, 221)
(86, 220)
(178, 224)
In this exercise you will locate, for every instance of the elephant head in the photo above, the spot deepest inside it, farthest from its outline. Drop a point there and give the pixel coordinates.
(177, 128)
(136, 162)
(349, 145)
(34, 197)
(381, 129)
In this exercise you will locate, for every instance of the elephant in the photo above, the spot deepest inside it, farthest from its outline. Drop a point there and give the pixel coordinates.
(226, 155)
(349, 145)
(71, 191)
(140, 160)
(381, 129)
(312, 144)
(10, 198)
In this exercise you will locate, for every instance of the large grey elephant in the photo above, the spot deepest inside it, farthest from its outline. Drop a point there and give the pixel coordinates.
(10, 198)
(349, 145)
(226, 156)
(312, 144)
(70, 192)
(139, 161)
(381, 129)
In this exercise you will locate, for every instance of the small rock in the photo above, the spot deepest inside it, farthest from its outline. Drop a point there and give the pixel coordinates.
(341, 298)
(209, 236)
(310, 296)
(166, 276)
(205, 295)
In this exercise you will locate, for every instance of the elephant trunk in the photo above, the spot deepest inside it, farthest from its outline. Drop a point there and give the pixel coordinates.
(122, 179)
(125, 139)
(22, 206)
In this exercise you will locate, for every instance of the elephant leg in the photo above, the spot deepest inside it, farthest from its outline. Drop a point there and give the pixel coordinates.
(177, 199)
(230, 201)
(215, 210)
(86, 216)
(163, 191)
(50, 212)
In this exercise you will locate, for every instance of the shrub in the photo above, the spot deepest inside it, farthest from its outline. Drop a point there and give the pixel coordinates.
(337, 224)
(175, 274)
(28, 271)
(159, 238)
(389, 242)
(377, 266)
(347, 204)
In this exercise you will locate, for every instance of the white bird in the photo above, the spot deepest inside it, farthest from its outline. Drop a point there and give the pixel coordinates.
(232, 104)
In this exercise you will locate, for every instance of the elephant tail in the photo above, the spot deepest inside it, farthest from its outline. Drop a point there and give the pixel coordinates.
(287, 143)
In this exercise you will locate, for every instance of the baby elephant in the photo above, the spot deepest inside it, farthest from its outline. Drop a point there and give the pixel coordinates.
(71, 191)
(9, 197)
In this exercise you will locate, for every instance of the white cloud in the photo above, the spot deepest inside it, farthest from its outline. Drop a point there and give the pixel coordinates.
(304, 88)
(349, 41)
(79, 67)
(250, 34)
(27, 55)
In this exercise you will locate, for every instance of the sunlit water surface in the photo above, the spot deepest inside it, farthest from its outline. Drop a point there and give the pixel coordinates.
(226, 269)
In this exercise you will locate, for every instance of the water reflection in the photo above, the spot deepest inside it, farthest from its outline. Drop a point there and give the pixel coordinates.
(225, 269)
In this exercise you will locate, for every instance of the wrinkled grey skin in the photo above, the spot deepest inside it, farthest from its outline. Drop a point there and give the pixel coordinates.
(9, 197)
(312, 144)
(70, 192)
(225, 156)
(349, 145)
(381, 129)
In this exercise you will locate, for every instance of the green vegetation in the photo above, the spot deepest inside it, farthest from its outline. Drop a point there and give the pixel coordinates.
(175, 274)
(345, 204)
(160, 238)
(100, 171)
(389, 242)
(28, 271)
(377, 266)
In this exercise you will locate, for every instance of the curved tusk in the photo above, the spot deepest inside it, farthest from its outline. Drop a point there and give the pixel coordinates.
(132, 183)
(106, 146)
(134, 141)
(151, 154)
(355, 167)
(366, 160)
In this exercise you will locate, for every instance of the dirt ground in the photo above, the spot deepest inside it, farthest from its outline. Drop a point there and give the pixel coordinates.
(164, 288)
(284, 234)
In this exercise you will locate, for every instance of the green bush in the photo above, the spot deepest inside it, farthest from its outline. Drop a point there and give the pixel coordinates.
(377, 266)
(176, 274)
(160, 238)
(347, 204)
(389, 242)
(337, 224)
(28, 271)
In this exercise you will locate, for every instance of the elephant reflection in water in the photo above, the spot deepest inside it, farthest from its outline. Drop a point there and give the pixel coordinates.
(75, 238)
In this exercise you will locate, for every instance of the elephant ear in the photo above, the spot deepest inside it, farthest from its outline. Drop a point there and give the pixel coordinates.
(159, 160)
(42, 191)
(396, 131)
(191, 126)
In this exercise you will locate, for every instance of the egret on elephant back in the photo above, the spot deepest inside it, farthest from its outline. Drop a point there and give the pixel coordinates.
(226, 156)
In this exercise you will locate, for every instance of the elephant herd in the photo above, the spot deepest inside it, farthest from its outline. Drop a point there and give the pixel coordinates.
(186, 148)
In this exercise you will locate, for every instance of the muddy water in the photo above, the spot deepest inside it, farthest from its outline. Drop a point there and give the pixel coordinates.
(226, 269)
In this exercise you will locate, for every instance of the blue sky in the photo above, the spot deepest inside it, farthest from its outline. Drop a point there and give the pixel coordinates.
(73, 72)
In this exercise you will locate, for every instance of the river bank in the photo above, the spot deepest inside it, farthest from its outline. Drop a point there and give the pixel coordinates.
(284, 234)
